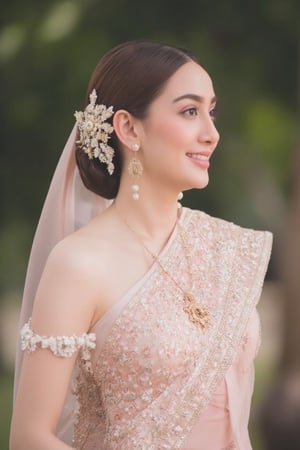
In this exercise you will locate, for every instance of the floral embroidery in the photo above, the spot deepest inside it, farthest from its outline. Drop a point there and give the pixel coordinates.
(156, 371)
(64, 346)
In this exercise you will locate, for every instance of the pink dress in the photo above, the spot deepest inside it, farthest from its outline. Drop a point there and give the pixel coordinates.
(159, 382)
(156, 381)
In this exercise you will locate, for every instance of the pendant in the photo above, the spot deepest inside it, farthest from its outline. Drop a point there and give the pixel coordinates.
(198, 314)
(135, 167)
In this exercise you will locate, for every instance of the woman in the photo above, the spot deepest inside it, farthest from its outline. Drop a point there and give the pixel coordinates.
(143, 329)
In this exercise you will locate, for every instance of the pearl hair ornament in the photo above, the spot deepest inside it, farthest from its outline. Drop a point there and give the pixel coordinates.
(95, 130)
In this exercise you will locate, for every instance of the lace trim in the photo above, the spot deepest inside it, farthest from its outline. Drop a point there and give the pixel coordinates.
(63, 346)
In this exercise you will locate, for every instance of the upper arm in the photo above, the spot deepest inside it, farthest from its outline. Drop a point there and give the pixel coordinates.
(64, 306)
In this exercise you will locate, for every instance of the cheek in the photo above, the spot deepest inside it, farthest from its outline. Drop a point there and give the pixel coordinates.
(172, 132)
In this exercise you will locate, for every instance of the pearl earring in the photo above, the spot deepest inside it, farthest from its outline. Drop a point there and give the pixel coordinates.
(180, 197)
(135, 170)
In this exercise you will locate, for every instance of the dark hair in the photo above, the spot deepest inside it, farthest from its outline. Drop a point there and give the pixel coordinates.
(130, 76)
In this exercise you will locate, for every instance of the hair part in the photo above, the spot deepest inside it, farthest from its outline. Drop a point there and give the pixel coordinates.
(130, 77)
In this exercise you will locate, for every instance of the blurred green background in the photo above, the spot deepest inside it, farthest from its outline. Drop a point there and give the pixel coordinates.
(48, 50)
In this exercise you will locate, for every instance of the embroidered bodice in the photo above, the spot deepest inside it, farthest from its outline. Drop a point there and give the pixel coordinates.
(154, 378)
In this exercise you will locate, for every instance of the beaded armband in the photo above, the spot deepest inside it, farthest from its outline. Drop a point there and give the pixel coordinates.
(63, 346)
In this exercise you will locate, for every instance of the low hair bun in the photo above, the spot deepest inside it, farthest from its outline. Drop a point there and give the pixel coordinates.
(95, 176)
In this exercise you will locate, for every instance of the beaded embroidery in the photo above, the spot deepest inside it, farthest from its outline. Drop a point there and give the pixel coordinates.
(156, 371)
(63, 346)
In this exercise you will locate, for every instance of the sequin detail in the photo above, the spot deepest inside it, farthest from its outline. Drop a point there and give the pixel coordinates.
(63, 346)
(156, 371)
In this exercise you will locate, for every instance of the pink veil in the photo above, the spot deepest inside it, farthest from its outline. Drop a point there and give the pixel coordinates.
(68, 206)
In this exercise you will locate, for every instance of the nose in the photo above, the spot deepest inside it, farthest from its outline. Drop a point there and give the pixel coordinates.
(209, 133)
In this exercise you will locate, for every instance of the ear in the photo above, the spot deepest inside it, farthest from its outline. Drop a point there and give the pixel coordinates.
(126, 129)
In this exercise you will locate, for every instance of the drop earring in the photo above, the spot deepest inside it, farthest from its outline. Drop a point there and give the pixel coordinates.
(135, 170)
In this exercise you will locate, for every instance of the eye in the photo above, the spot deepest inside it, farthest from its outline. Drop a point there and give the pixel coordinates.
(190, 112)
(213, 113)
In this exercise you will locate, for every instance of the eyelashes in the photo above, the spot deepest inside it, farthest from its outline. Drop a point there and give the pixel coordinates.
(192, 112)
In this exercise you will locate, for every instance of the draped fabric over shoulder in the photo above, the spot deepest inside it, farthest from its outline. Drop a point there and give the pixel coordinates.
(158, 381)
(155, 380)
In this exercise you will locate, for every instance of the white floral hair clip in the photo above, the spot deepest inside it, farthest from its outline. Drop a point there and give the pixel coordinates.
(94, 131)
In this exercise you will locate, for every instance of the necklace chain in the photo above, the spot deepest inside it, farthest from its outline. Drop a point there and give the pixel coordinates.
(198, 314)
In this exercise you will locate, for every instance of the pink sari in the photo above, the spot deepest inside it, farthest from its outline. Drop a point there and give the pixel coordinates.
(158, 381)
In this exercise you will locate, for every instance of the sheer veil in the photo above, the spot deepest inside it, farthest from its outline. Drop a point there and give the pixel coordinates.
(68, 206)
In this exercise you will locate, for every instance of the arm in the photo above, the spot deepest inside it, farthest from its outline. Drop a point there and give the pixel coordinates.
(64, 305)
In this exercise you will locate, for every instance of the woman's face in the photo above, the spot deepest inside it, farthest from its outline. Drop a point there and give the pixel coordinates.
(178, 135)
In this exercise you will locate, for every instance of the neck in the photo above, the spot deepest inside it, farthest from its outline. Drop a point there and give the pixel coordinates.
(153, 216)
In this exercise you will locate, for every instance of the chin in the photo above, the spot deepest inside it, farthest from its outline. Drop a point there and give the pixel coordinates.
(201, 182)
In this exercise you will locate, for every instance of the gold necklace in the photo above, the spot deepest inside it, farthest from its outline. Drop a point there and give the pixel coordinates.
(197, 313)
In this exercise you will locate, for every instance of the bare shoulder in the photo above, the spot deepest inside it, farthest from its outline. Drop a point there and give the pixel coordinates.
(77, 254)
(82, 269)
(72, 284)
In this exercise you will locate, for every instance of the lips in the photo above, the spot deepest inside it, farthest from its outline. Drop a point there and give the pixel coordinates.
(200, 159)
(199, 156)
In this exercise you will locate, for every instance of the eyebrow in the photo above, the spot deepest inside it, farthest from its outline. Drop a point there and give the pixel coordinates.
(194, 97)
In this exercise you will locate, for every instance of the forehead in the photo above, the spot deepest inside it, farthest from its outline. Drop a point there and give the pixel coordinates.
(189, 78)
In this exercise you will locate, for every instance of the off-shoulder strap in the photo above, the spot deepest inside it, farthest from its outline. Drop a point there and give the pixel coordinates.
(64, 346)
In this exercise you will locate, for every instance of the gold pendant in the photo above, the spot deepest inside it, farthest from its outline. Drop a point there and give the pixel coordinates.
(198, 314)
(135, 167)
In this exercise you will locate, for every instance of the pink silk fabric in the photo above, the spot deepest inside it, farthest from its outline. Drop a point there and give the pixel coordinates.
(225, 419)
(158, 382)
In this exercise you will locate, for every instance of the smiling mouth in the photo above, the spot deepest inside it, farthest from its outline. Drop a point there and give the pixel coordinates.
(198, 156)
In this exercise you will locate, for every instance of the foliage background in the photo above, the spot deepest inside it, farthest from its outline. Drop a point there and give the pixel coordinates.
(47, 52)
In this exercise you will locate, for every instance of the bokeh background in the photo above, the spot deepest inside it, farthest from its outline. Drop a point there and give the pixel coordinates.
(48, 50)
